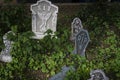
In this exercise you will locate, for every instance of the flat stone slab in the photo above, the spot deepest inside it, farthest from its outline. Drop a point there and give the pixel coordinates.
(61, 75)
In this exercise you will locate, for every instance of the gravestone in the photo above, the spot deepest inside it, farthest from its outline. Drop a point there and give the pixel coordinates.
(5, 53)
(44, 17)
(76, 25)
(98, 75)
(81, 41)
(61, 75)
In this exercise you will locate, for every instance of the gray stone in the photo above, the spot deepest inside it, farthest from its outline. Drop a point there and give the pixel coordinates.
(76, 25)
(61, 75)
(98, 75)
(5, 53)
(81, 41)
(44, 17)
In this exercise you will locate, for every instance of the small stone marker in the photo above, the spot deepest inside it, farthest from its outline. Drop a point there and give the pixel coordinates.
(44, 17)
(98, 75)
(61, 75)
(5, 53)
(81, 41)
(76, 25)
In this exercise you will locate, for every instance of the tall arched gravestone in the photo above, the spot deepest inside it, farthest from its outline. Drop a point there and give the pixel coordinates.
(44, 17)
(81, 41)
(76, 25)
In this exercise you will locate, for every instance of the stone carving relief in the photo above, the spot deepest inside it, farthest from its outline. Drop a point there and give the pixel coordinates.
(81, 41)
(44, 17)
(76, 25)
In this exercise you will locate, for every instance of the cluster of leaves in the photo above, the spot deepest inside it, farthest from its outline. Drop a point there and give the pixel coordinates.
(102, 21)
(82, 68)
(46, 55)
(106, 57)
(17, 15)
(14, 15)
(52, 52)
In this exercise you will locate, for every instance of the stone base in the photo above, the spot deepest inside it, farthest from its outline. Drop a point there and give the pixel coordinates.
(5, 58)
(38, 37)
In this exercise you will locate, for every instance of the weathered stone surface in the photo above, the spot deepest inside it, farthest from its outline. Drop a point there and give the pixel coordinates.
(76, 25)
(81, 41)
(98, 75)
(44, 17)
(5, 53)
(61, 75)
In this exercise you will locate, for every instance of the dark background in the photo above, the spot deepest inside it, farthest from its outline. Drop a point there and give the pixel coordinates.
(63, 1)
